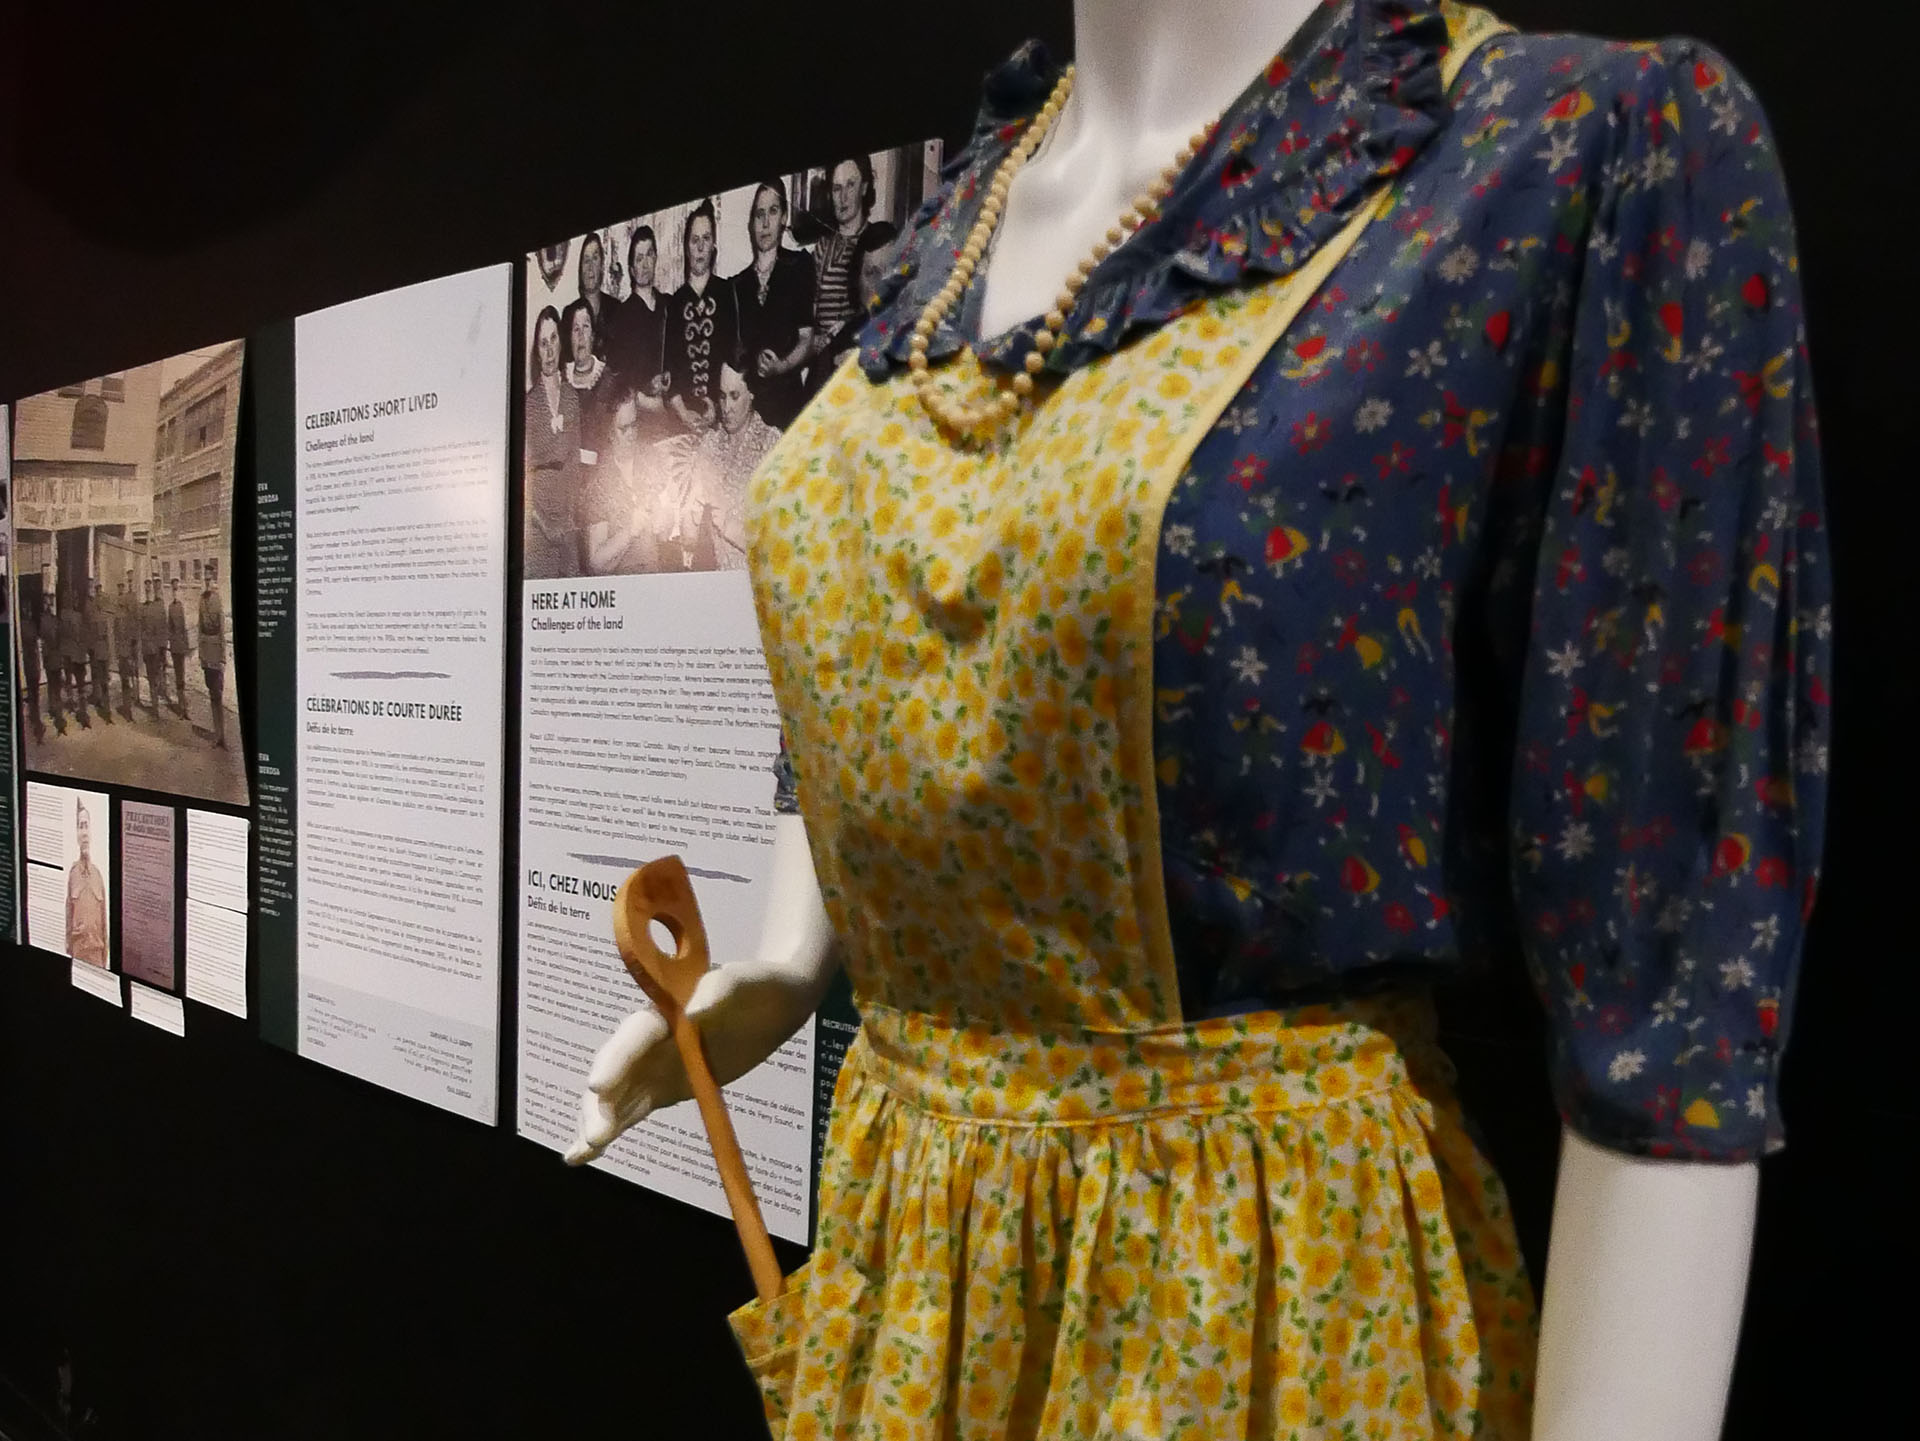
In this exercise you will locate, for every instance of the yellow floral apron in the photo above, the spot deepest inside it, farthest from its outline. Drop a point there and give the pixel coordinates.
(1050, 1207)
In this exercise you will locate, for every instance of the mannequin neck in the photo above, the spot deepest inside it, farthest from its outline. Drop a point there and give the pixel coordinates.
(1147, 75)
(1170, 65)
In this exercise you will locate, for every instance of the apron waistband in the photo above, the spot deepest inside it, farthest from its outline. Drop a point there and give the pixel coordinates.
(1265, 1062)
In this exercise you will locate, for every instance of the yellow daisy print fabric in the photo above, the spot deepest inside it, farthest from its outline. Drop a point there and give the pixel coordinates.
(1050, 1207)
(1273, 1226)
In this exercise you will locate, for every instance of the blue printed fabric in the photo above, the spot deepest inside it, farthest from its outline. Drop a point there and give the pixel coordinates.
(1493, 615)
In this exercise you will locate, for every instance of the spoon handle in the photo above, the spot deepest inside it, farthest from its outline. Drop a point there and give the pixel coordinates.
(767, 1279)
(661, 891)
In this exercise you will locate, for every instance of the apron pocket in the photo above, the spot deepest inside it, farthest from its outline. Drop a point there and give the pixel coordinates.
(768, 1333)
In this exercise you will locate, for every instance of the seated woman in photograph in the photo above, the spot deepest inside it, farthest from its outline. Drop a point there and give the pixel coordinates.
(618, 534)
(733, 450)
(700, 481)
(553, 456)
(703, 326)
(774, 295)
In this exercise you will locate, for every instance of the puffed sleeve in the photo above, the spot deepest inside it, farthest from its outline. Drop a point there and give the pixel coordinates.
(1669, 789)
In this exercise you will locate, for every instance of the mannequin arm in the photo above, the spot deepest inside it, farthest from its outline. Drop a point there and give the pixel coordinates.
(746, 1009)
(1646, 1280)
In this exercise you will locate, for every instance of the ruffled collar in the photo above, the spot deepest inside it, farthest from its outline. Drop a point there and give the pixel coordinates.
(1352, 99)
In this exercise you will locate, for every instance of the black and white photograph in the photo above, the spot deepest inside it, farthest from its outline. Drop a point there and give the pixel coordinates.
(666, 353)
(69, 908)
(122, 543)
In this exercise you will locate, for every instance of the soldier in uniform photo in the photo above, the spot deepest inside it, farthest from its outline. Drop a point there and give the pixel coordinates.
(31, 611)
(126, 645)
(153, 645)
(50, 663)
(86, 896)
(99, 647)
(177, 643)
(73, 657)
(212, 625)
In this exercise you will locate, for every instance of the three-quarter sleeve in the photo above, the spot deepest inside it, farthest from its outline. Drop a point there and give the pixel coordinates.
(1668, 791)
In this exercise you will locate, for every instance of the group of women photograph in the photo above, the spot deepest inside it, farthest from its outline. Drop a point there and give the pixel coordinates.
(647, 414)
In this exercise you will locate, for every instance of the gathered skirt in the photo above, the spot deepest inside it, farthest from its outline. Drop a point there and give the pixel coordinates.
(1272, 1225)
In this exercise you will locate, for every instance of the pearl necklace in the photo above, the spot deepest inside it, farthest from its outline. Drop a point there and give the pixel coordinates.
(964, 416)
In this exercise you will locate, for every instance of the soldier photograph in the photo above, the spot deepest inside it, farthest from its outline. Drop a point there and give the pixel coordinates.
(86, 895)
(99, 649)
(212, 625)
(177, 647)
(126, 646)
(68, 876)
(153, 647)
(31, 615)
(73, 658)
(123, 529)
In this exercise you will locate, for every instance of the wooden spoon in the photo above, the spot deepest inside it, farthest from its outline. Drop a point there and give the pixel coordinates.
(661, 891)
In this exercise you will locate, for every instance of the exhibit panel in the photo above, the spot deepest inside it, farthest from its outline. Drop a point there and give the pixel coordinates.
(382, 639)
(67, 847)
(122, 537)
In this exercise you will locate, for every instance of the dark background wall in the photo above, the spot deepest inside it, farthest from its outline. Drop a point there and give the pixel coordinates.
(209, 1238)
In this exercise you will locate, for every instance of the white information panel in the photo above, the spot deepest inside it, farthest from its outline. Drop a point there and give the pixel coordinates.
(400, 513)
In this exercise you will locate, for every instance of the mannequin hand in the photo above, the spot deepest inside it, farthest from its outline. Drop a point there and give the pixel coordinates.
(746, 1010)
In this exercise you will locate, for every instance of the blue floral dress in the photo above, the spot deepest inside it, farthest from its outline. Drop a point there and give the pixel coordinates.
(1495, 612)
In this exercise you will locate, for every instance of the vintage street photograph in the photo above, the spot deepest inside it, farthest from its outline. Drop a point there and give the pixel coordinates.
(122, 552)
(665, 354)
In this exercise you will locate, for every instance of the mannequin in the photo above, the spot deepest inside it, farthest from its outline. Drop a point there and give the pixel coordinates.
(1648, 1262)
